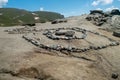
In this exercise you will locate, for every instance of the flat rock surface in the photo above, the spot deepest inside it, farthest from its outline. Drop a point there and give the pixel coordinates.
(20, 60)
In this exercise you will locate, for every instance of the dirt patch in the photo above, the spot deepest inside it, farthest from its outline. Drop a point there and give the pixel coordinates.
(28, 72)
(32, 72)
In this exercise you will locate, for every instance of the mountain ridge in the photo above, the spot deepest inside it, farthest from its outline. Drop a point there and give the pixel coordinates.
(14, 16)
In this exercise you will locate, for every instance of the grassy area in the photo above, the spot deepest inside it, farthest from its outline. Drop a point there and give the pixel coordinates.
(48, 16)
(13, 16)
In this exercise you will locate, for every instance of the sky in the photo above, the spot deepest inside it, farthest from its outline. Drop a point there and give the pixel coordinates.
(65, 7)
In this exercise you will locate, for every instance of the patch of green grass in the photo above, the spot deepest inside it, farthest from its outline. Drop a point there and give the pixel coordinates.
(48, 16)
(13, 16)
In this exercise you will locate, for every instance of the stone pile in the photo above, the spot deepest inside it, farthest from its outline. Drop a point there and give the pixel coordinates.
(98, 17)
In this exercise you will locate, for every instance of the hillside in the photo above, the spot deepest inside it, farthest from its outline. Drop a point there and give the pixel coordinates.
(48, 16)
(13, 16)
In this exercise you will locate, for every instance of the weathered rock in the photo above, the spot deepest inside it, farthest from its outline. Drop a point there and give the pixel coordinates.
(58, 33)
(96, 12)
(69, 33)
(98, 17)
(46, 32)
(116, 33)
(115, 12)
(115, 23)
(59, 21)
(114, 75)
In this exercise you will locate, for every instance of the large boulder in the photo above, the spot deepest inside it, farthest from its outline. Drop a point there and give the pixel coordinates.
(69, 33)
(96, 12)
(115, 22)
(115, 12)
(65, 33)
(59, 33)
(116, 33)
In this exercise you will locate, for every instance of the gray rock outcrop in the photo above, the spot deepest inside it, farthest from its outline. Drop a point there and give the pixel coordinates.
(98, 17)
(115, 12)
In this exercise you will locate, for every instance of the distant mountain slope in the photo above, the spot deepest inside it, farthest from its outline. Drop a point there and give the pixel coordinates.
(13, 16)
(48, 16)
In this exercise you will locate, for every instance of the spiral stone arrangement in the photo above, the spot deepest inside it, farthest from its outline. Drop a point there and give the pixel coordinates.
(70, 40)
(65, 34)
(26, 29)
